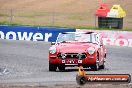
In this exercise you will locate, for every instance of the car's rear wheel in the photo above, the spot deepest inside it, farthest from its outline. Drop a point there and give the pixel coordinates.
(61, 68)
(52, 67)
(103, 65)
(95, 66)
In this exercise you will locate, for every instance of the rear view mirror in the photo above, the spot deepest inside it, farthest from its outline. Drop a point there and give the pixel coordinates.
(101, 44)
(52, 43)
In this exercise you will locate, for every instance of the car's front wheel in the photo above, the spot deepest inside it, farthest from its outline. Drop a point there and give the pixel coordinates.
(95, 66)
(61, 68)
(52, 67)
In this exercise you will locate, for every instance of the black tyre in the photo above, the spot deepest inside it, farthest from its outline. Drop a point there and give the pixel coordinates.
(102, 66)
(52, 67)
(95, 66)
(61, 68)
(81, 80)
(129, 80)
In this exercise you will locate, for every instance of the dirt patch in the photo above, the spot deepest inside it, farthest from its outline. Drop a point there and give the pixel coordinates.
(75, 12)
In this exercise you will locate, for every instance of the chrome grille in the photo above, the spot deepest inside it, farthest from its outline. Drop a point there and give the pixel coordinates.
(72, 55)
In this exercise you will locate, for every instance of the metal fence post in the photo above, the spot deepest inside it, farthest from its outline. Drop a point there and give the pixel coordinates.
(53, 18)
(11, 16)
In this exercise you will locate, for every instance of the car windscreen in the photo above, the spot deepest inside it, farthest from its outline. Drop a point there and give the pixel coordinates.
(75, 37)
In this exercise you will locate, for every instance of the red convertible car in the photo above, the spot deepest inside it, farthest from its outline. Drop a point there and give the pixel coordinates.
(77, 49)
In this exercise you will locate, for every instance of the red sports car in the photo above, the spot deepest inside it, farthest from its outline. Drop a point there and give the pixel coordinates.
(77, 49)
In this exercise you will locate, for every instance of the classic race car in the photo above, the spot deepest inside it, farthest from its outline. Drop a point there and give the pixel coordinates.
(77, 49)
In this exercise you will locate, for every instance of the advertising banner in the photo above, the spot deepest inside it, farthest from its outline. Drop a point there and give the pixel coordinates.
(118, 38)
(29, 33)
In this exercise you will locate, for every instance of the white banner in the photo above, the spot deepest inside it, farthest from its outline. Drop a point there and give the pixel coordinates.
(118, 38)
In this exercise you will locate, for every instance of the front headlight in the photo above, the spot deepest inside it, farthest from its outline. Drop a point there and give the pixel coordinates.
(91, 50)
(52, 50)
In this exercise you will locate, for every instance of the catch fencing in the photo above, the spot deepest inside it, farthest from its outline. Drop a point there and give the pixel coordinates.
(43, 18)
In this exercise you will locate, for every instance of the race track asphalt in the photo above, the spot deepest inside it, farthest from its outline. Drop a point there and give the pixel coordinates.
(26, 62)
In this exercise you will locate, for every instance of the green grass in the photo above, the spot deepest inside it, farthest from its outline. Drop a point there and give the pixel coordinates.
(63, 26)
(53, 19)
(4, 15)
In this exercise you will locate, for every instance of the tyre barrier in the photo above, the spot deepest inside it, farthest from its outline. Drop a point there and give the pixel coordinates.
(83, 78)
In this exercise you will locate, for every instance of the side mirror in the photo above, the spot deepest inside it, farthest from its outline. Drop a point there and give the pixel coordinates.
(52, 43)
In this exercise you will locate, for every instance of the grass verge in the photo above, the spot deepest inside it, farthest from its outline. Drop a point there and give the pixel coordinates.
(64, 26)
